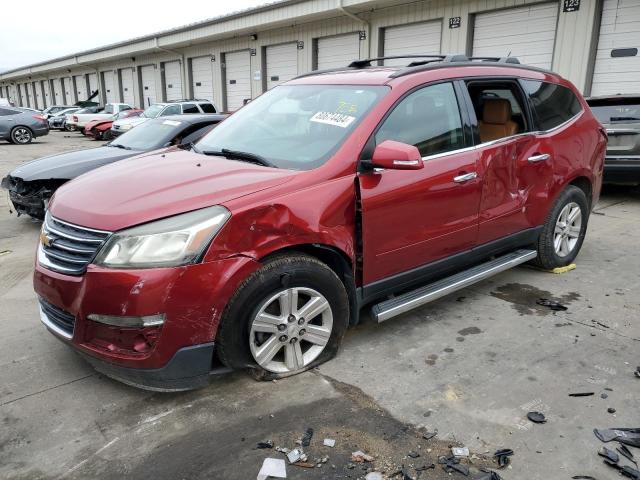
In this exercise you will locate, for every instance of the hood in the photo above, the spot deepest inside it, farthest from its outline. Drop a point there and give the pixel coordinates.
(69, 165)
(130, 121)
(156, 186)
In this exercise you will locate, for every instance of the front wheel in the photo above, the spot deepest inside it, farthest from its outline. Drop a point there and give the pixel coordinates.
(287, 317)
(564, 229)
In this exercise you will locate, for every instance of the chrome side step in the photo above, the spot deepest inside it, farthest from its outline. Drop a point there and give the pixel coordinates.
(416, 298)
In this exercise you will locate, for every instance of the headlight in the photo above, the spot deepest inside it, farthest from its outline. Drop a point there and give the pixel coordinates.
(126, 126)
(169, 242)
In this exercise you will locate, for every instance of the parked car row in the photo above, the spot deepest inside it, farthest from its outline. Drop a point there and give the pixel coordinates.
(21, 125)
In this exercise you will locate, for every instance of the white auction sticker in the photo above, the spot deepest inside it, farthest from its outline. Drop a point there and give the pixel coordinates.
(173, 123)
(335, 119)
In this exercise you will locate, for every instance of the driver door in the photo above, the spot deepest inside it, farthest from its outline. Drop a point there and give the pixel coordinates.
(411, 218)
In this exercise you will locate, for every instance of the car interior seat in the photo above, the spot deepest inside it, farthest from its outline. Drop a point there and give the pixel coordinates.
(496, 120)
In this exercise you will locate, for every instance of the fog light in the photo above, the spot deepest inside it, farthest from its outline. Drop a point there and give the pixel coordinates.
(131, 322)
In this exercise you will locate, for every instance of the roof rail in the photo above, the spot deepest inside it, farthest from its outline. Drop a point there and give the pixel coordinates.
(428, 58)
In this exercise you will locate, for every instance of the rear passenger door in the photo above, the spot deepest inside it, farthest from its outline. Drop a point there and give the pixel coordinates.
(414, 217)
(505, 141)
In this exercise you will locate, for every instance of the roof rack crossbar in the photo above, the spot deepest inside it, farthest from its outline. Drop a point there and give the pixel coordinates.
(367, 61)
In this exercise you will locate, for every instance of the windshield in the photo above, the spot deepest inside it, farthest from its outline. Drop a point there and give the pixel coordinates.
(295, 126)
(153, 111)
(149, 135)
(618, 112)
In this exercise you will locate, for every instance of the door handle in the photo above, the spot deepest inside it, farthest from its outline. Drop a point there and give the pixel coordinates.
(465, 177)
(539, 158)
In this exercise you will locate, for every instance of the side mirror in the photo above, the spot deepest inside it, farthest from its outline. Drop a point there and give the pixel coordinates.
(397, 156)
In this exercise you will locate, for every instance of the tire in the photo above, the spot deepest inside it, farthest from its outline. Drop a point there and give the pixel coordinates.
(107, 135)
(69, 128)
(296, 341)
(564, 229)
(21, 135)
(97, 135)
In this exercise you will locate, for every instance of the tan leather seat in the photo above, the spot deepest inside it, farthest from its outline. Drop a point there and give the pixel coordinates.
(496, 120)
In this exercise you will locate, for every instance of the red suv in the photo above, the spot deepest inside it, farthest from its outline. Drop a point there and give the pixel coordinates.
(369, 185)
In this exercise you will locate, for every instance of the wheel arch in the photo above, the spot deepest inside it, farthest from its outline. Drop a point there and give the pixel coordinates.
(336, 259)
(584, 184)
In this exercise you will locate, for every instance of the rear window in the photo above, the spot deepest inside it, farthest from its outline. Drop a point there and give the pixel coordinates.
(190, 108)
(618, 110)
(208, 108)
(552, 104)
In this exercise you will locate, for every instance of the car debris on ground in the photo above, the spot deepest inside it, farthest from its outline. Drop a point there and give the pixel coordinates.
(502, 457)
(272, 467)
(551, 305)
(329, 442)
(537, 417)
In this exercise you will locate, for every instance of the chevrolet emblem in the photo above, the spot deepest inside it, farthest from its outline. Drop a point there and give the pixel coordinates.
(45, 239)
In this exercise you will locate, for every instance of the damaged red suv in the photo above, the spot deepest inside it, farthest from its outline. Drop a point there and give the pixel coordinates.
(372, 186)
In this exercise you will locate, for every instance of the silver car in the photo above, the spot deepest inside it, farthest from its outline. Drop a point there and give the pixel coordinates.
(20, 126)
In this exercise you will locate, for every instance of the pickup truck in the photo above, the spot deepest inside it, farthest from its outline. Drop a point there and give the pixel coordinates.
(77, 121)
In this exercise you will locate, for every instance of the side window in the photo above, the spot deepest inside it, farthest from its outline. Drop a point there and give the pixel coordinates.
(190, 108)
(552, 104)
(499, 108)
(428, 118)
(208, 108)
(5, 111)
(108, 109)
(171, 110)
(124, 107)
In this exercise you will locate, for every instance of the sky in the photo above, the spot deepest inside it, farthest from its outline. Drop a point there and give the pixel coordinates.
(55, 29)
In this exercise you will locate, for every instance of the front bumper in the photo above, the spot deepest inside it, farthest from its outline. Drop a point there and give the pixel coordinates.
(192, 298)
(31, 201)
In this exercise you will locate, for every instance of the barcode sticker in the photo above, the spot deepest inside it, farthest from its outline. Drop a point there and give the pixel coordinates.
(336, 119)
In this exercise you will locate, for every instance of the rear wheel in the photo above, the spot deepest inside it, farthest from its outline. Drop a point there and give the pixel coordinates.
(287, 317)
(21, 135)
(564, 229)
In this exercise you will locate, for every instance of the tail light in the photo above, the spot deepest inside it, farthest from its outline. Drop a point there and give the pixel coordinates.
(40, 117)
(75, 118)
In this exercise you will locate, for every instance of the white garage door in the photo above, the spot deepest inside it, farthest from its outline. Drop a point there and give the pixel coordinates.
(109, 87)
(619, 35)
(126, 79)
(415, 39)
(67, 85)
(238, 78)
(81, 87)
(93, 85)
(30, 98)
(202, 78)
(338, 51)
(57, 91)
(37, 86)
(524, 32)
(173, 80)
(148, 77)
(282, 63)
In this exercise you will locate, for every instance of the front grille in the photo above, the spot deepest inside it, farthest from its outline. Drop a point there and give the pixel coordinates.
(68, 248)
(57, 319)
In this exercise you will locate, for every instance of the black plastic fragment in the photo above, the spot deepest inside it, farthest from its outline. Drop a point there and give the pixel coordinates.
(581, 394)
(413, 454)
(609, 454)
(625, 452)
(551, 304)
(583, 477)
(628, 436)
(611, 410)
(264, 445)
(426, 467)
(306, 438)
(429, 435)
(502, 457)
(488, 475)
(536, 417)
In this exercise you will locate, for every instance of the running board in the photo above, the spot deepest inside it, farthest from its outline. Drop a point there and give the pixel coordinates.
(416, 298)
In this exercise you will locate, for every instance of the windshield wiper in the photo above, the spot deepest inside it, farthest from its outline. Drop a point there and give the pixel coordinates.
(189, 146)
(119, 145)
(237, 155)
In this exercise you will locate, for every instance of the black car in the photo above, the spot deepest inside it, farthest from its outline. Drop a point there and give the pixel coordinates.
(620, 115)
(32, 185)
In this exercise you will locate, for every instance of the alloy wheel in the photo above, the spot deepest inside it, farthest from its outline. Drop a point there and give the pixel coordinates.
(567, 230)
(22, 135)
(290, 330)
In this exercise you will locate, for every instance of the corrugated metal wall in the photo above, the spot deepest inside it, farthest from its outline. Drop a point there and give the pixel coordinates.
(572, 55)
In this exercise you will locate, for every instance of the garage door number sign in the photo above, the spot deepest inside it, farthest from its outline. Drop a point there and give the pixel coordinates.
(571, 6)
